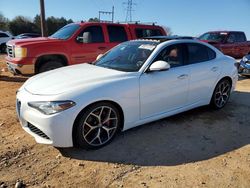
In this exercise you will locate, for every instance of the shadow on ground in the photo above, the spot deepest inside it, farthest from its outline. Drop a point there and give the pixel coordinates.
(12, 79)
(192, 136)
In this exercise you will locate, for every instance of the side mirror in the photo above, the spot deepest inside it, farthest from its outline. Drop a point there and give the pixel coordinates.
(159, 66)
(246, 59)
(85, 38)
(99, 57)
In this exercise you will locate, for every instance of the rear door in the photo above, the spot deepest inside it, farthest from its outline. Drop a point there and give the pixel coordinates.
(116, 34)
(204, 71)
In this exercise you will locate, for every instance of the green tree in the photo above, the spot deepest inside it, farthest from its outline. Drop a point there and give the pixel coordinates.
(21, 24)
(3, 23)
(94, 20)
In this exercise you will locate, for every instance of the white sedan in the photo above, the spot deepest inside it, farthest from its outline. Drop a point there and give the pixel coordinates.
(134, 83)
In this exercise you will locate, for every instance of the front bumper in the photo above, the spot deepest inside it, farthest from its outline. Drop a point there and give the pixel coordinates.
(55, 129)
(20, 68)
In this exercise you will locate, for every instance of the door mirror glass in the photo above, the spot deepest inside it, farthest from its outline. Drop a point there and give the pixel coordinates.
(159, 66)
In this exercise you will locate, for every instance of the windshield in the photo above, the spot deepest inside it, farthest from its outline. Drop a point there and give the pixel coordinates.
(216, 37)
(128, 56)
(65, 32)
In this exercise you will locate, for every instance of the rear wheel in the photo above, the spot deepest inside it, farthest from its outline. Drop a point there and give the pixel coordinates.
(50, 65)
(97, 126)
(221, 94)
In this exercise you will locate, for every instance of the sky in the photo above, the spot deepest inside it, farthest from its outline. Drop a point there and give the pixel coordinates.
(184, 17)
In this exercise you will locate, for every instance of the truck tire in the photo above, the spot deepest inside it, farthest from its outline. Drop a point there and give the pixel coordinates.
(3, 48)
(50, 65)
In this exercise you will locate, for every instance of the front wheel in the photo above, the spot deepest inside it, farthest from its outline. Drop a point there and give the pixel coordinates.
(97, 126)
(221, 94)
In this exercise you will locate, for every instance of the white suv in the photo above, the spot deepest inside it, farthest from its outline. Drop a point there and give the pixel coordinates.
(4, 38)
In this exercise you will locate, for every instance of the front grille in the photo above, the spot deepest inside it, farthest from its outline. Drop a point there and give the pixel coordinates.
(10, 51)
(37, 131)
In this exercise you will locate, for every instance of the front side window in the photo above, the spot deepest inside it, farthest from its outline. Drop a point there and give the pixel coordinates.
(171, 54)
(91, 34)
(231, 38)
(199, 53)
(66, 32)
(128, 56)
(141, 33)
(117, 34)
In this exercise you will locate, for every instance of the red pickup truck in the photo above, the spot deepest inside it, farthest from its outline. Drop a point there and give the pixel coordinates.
(73, 44)
(232, 43)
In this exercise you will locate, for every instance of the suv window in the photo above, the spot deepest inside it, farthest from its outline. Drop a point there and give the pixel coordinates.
(91, 34)
(117, 34)
(171, 54)
(2, 35)
(199, 53)
(140, 33)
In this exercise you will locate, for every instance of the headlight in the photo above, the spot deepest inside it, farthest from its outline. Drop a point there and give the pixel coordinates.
(51, 107)
(20, 52)
(245, 59)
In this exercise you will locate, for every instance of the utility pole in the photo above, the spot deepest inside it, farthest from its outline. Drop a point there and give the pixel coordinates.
(107, 12)
(42, 18)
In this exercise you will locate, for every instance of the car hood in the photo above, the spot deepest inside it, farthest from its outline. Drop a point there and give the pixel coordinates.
(69, 78)
(28, 41)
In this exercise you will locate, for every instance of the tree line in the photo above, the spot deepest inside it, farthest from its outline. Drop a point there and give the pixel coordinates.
(22, 24)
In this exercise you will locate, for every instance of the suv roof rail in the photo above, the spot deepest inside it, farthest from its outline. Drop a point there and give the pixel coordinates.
(138, 22)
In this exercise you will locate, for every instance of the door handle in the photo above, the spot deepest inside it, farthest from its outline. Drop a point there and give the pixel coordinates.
(101, 48)
(214, 69)
(183, 76)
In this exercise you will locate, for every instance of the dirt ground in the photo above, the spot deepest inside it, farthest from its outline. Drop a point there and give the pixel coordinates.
(198, 148)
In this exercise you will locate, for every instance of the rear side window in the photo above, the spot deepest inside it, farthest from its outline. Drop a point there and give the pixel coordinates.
(92, 34)
(117, 34)
(240, 37)
(199, 53)
(140, 32)
(2, 35)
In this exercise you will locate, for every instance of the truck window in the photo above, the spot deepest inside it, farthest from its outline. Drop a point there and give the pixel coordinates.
(240, 37)
(3, 35)
(117, 34)
(140, 32)
(91, 34)
(231, 38)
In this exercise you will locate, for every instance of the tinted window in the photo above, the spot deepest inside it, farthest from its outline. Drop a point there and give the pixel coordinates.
(3, 35)
(231, 38)
(117, 34)
(140, 33)
(171, 54)
(240, 37)
(199, 53)
(92, 34)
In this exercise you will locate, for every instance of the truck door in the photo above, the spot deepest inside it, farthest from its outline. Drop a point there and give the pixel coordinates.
(88, 45)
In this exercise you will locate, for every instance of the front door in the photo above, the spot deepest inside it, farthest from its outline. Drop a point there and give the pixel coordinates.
(164, 91)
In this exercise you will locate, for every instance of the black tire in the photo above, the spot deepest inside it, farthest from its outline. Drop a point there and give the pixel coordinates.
(86, 137)
(50, 65)
(3, 48)
(221, 94)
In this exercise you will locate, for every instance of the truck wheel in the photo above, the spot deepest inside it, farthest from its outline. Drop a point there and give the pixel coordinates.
(3, 48)
(50, 65)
